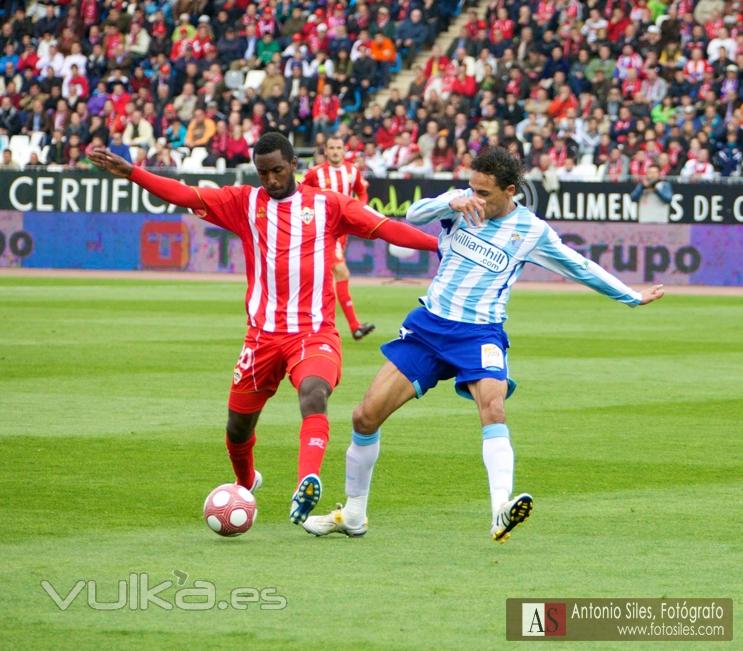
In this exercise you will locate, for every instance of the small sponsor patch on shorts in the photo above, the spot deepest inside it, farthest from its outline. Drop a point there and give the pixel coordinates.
(492, 356)
(237, 376)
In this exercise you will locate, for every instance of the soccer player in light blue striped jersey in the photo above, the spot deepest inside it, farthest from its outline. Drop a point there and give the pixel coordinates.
(485, 241)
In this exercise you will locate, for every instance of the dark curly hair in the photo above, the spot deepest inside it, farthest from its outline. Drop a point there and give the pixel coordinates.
(272, 141)
(497, 162)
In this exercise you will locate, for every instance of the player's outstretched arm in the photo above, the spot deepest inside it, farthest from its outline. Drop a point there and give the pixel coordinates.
(405, 235)
(445, 206)
(363, 221)
(166, 189)
(552, 254)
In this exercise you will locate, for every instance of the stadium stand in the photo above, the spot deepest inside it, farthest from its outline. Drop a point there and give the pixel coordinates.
(581, 90)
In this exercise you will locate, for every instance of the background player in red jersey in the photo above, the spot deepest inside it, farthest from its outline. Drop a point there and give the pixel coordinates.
(288, 234)
(341, 176)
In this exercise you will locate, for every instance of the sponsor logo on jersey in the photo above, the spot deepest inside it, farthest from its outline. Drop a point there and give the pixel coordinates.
(479, 251)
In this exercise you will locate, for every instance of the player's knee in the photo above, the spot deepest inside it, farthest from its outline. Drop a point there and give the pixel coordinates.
(365, 421)
(494, 411)
(240, 427)
(340, 272)
(313, 397)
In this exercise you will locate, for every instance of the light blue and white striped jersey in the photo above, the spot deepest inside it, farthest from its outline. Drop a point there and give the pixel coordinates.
(479, 265)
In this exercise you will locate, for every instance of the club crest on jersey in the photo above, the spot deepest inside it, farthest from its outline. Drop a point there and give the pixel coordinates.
(260, 213)
(307, 214)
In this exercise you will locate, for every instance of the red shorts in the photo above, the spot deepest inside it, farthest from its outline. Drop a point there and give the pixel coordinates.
(340, 249)
(267, 357)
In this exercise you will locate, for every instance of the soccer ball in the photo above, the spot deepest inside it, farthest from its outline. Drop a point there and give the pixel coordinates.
(230, 510)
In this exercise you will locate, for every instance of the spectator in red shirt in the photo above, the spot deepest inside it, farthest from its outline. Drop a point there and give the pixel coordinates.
(464, 84)
(563, 102)
(437, 62)
(112, 40)
(442, 156)
(324, 111)
(617, 25)
(504, 24)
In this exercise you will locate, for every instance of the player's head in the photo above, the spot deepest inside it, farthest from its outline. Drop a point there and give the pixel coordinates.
(653, 172)
(495, 179)
(334, 150)
(276, 164)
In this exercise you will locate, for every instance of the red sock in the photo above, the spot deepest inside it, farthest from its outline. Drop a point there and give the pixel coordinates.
(346, 303)
(241, 456)
(313, 439)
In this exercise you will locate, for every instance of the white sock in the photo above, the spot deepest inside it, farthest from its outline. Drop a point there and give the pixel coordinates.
(361, 456)
(497, 455)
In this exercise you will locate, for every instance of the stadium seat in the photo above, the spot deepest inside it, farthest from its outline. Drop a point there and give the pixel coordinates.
(254, 79)
(234, 79)
(37, 137)
(189, 165)
(20, 145)
(198, 154)
(587, 171)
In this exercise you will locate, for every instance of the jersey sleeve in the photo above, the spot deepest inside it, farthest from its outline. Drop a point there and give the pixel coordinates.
(424, 211)
(360, 188)
(225, 207)
(551, 253)
(357, 218)
(311, 178)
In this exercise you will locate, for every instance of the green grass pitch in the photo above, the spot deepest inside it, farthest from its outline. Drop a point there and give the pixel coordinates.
(627, 426)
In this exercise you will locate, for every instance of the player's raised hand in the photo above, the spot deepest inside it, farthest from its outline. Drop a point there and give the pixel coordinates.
(116, 165)
(652, 294)
(472, 209)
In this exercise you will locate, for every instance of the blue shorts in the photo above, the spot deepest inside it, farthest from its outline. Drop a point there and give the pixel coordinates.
(430, 349)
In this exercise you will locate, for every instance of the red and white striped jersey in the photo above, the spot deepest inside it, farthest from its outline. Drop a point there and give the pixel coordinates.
(345, 179)
(289, 247)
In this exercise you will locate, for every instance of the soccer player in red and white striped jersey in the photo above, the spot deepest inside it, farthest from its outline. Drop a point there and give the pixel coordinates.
(341, 176)
(288, 234)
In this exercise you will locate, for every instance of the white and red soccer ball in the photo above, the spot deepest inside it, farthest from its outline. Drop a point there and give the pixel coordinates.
(230, 510)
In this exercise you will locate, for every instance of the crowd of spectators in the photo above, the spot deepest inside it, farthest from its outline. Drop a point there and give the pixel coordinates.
(580, 90)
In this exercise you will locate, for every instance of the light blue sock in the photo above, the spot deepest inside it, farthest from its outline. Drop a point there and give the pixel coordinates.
(497, 455)
(361, 456)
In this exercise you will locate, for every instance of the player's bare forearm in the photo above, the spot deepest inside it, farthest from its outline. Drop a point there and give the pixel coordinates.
(405, 235)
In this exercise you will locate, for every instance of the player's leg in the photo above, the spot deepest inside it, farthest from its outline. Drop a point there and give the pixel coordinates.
(240, 441)
(342, 276)
(412, 368)
(256, 377)
(497, 455)
(389, 390)
(314, 363)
